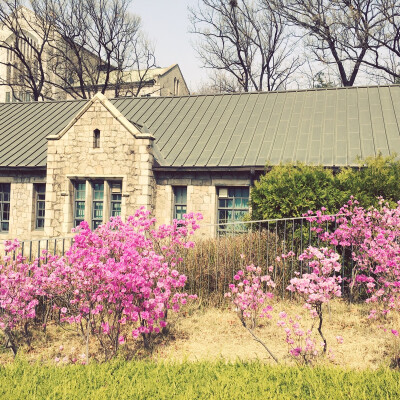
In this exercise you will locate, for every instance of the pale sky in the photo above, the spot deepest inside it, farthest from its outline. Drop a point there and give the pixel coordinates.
(166, 24)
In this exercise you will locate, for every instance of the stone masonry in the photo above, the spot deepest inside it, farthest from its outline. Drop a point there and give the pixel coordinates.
(125, 155)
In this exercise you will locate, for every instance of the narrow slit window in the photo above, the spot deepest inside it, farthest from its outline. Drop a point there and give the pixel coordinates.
(97, 204)
(40, 205)
(116, 198)
(96, 139)
(79, 202)
(4, 207)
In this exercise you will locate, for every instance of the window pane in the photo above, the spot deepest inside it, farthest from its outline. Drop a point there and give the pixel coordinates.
(233, 209)
(116, 198)
(180, 201)
(79, 204)
(80, 209)
(97, 204)
(40, 190)
(4, 206)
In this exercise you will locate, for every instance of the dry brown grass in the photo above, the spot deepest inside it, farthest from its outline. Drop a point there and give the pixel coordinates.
(216, 333)
(211, 333)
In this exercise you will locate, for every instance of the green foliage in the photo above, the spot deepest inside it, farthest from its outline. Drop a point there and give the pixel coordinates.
(290, 190)
(376, 176)
(201, 380)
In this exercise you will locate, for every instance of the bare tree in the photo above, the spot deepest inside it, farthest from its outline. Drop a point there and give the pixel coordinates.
(96, 42)
(385, 43)
(61, 48)
(134, 75)
(23, 42)
(336, 32)
(253, 47)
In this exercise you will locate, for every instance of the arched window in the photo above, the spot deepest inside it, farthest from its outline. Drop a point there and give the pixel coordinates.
(96, 139)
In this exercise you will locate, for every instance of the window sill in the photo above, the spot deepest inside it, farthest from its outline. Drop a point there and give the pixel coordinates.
(99, 150)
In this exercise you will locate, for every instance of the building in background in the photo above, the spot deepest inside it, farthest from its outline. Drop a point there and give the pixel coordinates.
(33, 66)
(68, 161)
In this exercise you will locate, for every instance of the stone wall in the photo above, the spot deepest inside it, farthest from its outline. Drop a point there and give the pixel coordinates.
(167, 83)
(122, 156)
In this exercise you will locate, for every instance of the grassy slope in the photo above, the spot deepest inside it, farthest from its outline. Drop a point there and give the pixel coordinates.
(201, 380)
(211, 334)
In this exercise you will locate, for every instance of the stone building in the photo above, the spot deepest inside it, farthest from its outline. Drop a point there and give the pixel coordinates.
(64, 162)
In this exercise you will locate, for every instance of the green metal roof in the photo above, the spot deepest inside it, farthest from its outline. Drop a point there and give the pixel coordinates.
(325, 126)
(25, 126)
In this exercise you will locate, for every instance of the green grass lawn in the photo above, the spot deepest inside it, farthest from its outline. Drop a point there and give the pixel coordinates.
(201, 380)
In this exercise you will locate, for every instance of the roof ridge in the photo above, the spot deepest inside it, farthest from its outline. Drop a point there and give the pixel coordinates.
(215, 94)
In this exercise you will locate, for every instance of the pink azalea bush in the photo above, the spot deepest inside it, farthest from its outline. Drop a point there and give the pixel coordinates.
(321, 284)
(302, 345)
(317, 287)
(18, 296)
(249, 295)
(115, 283)
(373, 237)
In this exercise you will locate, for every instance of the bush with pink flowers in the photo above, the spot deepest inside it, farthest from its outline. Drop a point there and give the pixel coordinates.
(18, 297)
(115, 283)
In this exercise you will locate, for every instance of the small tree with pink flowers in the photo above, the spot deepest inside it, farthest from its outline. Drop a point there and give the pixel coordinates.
(249, 295)
(321, 284)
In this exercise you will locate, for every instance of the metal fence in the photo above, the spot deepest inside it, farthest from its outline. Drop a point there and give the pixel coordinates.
(212, 263)
(32, 249)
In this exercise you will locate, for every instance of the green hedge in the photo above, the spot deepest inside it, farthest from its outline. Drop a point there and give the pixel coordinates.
(200, 380)
(290, 190)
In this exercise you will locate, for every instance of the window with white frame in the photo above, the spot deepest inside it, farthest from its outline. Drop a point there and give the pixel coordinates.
(116, 199)
(180, 201)
(40, 202)
(233, 205)
(97, 204)
(5, 207)
(79, 202)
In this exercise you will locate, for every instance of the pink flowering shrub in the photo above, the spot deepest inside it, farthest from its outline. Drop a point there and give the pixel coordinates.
(115, 283)
(249, 295)
(18, 296)
(302, 346)
(321, 284)
(120, 275)
(372, 238)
